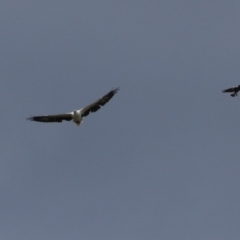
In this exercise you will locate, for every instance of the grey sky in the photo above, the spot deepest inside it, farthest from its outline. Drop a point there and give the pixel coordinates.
(160, 160)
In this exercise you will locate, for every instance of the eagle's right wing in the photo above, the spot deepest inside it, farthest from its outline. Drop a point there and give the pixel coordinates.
(52, 118)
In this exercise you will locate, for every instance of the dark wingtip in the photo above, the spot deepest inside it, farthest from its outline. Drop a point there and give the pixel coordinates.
(30, 118)
(115, 90)
(226, 90)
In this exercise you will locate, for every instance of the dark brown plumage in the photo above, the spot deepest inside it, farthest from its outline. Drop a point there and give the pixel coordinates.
(51, 118)
(233, 90)
(99, 103)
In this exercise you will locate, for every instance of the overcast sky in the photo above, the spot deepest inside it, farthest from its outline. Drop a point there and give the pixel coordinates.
(160, 160)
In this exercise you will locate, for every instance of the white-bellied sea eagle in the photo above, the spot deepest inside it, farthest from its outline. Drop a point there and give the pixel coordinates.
(77, 115)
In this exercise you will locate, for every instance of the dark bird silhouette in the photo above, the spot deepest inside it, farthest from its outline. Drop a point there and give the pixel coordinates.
(233, 90)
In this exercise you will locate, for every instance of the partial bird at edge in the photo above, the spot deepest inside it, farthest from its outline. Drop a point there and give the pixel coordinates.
(233, 90)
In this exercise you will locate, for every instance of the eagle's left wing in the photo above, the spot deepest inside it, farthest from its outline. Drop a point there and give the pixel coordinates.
(99, 103)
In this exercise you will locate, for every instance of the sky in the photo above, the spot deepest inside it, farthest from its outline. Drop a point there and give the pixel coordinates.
(158, 161)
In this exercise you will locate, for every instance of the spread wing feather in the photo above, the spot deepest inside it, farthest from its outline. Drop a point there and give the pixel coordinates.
(51, 118)
(99, 103)
(229, 90)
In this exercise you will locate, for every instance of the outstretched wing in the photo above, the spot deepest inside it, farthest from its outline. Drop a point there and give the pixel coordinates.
(52, 118)
(99, 103)
(229, 90)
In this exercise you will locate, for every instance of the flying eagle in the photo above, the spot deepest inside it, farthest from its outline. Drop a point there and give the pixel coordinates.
(76, 115)
(233, 90)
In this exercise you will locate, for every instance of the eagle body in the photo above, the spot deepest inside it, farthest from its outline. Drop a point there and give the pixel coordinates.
(77, 115)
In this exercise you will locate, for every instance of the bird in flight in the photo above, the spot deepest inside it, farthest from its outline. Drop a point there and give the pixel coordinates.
(233, 90)
(77, 115)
